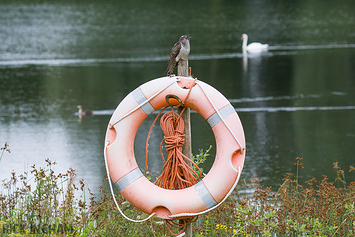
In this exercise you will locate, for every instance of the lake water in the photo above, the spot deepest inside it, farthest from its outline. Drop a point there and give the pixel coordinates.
(296, 100)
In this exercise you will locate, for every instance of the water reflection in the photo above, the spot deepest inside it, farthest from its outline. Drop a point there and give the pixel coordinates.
(252, 69)
(245, 62)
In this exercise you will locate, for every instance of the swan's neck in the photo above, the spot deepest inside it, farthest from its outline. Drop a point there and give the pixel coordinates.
(245, 41)
(80, 112)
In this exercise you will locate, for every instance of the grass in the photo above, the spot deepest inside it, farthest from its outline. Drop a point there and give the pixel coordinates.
(42, 203)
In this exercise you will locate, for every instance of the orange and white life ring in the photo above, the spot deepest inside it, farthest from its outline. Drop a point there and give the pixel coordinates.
(219, 182)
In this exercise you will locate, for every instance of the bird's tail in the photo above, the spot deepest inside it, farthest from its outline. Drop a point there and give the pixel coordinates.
(170, 67)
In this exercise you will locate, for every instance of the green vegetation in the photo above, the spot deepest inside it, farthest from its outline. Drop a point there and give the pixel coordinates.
(200, 159)
(43, 203)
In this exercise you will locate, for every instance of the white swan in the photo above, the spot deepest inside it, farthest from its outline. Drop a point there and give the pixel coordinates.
(253, 47)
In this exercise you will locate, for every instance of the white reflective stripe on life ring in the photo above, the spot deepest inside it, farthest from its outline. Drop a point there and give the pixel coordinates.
(140, 98)
(224, 112)
(128, 179)
(205, 195)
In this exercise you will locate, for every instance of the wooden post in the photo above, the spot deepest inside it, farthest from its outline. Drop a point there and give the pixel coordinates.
(183, 70)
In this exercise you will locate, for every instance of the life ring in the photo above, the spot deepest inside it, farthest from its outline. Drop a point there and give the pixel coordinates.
(219, 182)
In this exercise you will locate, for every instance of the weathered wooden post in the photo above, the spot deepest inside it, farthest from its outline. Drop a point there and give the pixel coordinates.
(183, 70)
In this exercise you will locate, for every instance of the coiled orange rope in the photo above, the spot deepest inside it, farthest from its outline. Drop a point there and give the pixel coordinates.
(176, 174)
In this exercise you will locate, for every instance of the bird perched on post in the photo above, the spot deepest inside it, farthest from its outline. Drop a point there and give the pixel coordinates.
(180, 51)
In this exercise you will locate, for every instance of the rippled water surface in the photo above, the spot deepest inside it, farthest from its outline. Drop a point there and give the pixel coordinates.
(295, 100)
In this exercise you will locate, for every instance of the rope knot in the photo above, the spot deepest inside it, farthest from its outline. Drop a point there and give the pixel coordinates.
(174, 141)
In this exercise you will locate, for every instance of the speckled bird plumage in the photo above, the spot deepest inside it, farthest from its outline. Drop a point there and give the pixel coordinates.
(180, 50)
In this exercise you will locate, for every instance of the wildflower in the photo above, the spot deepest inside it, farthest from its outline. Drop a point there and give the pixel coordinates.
(298, 162)
(3, 149)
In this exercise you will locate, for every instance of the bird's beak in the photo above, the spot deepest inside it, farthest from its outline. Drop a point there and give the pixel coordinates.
(242, 38)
